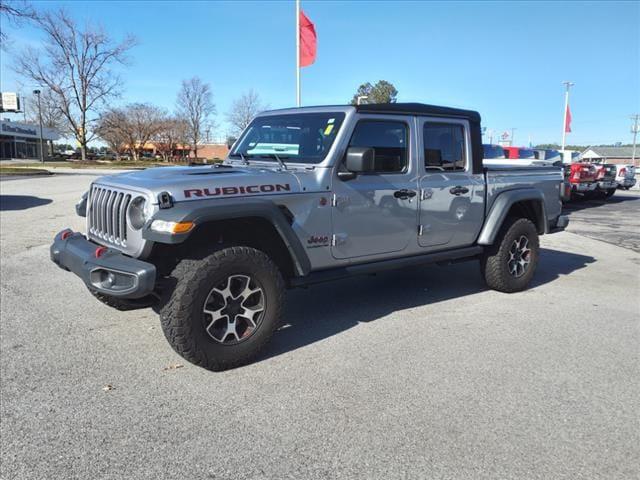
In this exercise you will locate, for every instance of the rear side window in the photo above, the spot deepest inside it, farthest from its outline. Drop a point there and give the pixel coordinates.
(389, 141)
(444, 146)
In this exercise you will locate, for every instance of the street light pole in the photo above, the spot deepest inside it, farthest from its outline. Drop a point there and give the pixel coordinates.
(37, 94)
(634, 129)
(567, 85)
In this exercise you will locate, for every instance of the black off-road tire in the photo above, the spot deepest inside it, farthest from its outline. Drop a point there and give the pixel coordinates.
(123, 304)
(182, 317)
(610, 192)
(494, 262)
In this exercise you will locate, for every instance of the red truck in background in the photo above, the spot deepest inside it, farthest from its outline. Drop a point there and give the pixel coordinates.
(582, 177)
(515, 153)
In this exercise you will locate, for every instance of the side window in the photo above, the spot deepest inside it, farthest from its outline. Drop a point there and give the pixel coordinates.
(444, 146)
(388, 139)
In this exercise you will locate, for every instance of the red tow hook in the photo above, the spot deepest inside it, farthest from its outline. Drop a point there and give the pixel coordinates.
(100, 251)
(66, 233)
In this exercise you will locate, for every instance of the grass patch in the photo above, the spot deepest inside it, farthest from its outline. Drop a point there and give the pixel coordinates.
(23, 171)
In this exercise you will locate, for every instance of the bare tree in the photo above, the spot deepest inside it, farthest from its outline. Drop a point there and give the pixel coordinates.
(14, 11)
(243, 110)
(108, 129)
(195, 104)
(51, 112)
(76, 65)
(170, 137)
(135, 124)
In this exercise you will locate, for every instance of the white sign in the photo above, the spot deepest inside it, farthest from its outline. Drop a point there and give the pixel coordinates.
(10, 102)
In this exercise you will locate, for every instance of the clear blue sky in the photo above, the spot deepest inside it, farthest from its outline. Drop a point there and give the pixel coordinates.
(504, 59)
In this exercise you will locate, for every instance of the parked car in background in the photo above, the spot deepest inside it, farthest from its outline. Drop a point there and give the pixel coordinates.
(582, 177)
(493, 151)
(605, 179)
(516, 153)
(548, 154)
(496, 155)
(625, 176)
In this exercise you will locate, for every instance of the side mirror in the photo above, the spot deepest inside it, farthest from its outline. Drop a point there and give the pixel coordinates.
(360, 159)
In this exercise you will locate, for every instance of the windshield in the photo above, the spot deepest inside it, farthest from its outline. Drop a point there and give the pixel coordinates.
(493, 151)
(297, 137)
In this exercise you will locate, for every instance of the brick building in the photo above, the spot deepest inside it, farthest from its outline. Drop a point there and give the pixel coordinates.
(617, 155)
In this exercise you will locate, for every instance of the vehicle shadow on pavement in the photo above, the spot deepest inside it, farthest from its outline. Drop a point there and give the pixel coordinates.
(325, 310)
(578, 205)
(21, 202)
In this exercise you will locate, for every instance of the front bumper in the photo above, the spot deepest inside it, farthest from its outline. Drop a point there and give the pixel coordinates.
(110, 273)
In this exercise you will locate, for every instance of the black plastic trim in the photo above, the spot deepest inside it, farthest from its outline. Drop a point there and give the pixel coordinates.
(328, 275)
(204, 211)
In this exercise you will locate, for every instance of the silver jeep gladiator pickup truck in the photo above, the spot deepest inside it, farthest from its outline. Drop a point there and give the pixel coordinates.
(306, 195)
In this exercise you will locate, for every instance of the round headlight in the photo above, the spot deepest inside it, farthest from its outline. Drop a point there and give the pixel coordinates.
(137, 213)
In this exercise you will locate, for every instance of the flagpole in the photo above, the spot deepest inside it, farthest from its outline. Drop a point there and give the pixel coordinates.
(298, 53)
(568, 85)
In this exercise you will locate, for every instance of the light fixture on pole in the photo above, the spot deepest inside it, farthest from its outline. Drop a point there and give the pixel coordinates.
(37, 94)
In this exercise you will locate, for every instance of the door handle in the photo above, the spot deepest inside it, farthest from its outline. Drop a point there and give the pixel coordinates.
(458, 190)
(404, 194)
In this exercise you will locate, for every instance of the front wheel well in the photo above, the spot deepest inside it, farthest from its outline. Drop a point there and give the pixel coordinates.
(254, 232)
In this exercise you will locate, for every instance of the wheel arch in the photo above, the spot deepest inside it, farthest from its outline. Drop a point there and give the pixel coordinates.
(260, 224)
(522, 203)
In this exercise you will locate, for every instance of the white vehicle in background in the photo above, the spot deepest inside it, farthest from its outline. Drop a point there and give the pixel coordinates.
(625, 176)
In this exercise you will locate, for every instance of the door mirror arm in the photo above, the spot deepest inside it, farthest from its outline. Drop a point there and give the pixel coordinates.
(345, 176)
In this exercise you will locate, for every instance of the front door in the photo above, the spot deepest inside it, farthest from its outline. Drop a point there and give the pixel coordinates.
(451, 195)
(376, 213)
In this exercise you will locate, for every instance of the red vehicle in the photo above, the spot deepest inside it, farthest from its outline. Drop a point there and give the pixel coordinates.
(515, 153)
(582, 177)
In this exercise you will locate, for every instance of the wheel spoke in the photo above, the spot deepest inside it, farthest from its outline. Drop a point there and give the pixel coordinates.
(234, 309)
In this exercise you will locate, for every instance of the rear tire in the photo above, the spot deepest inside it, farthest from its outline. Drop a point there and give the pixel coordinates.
(210, 291)
(509, 264)
(610, 192)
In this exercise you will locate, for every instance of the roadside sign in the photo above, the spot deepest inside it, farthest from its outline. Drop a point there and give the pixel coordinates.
(9, 102)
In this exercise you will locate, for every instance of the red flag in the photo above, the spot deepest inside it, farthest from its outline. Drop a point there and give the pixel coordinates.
(308, 41)
(567, 120)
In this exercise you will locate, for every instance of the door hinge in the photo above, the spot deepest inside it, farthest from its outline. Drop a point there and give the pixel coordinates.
(420, 229)
(336, 200)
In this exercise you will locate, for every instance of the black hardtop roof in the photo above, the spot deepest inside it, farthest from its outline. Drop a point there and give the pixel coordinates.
(418, 108)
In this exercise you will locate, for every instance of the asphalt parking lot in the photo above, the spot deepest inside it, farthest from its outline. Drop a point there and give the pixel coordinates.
(422, 373)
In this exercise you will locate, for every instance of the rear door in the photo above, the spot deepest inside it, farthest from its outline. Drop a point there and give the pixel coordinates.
(376, 213)
(451, 210)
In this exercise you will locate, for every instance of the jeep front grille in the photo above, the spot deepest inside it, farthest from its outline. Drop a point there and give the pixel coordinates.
(107, 214)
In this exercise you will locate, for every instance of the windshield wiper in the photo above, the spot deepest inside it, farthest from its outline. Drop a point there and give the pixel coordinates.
(242, 157)
(278, 159)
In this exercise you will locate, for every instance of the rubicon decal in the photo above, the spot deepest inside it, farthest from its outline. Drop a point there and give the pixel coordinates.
(240, 190)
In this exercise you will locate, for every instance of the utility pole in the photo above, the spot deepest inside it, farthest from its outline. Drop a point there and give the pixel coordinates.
(37, 94)
(634, 129)
(512, 134)
(567, 85)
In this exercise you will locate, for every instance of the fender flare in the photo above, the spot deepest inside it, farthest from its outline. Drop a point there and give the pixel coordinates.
(502, 205)
(204, 211)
